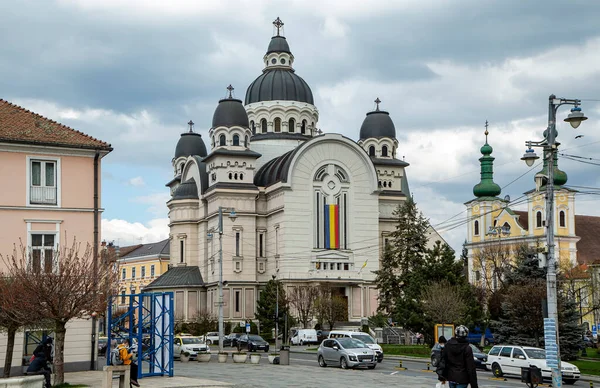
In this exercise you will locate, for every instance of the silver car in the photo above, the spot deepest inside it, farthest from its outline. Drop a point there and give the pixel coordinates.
(347, 353)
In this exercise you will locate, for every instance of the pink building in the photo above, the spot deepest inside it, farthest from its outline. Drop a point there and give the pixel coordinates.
(51, 194)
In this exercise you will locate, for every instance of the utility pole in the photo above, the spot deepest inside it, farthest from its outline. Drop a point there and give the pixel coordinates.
(232, 217)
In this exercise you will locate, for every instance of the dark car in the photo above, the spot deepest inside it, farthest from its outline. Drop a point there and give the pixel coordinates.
(102, 345)
(252, 342)
(587, 342)
(232, 339)
(322, 335)
(479, 357)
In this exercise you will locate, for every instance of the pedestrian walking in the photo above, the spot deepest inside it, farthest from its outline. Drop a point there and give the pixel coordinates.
(419, 338)
(459, 368)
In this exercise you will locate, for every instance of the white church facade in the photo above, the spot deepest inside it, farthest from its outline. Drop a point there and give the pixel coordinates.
(311, 207)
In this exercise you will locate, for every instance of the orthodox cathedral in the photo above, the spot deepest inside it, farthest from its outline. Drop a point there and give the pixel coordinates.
(298, 204)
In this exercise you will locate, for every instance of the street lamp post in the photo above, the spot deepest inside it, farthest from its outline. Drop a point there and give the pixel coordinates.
(232, 217)
(276, 312)
(549, 146)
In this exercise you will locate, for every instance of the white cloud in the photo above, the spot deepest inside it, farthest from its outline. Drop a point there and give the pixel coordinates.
(334, 28)
(125, 233)
(138, 181)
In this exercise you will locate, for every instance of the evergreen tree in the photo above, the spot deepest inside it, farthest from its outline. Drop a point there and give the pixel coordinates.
(267, 303)
(570, 330)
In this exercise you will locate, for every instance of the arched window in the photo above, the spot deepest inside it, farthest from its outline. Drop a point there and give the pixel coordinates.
(384, 151)
(246, 141)
(331, 207)
(213, 142)
(253, 127)
(562, 222)
(236, 140)
(291, 125)
(230, 176)
(222, 140)
(235, 176)
(476, 228)
(181, 168)
(372, 151)
(538, 219)
(379, 183)
(277, 124)
(303, 127)
(384, 183)
(263, 125)
(389, 184)
(242, 177)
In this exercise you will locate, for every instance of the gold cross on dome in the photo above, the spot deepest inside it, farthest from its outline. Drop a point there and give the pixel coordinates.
(231, 89)
(191, 124)
(377, 101)
(278, 24)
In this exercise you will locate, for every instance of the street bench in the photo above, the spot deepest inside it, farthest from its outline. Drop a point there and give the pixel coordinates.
(123, 371)
(36, 381)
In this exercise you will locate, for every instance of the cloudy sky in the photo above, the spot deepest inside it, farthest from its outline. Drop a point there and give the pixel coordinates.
(133, 72)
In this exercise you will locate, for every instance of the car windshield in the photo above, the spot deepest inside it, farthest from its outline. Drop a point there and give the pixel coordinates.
(364, 338)
(349, 343)
(255, 338)
(536, 354)
(474, 348)
(191, 340)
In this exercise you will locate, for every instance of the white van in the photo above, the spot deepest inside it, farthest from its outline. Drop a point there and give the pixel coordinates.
(304, 336)
(361, 336)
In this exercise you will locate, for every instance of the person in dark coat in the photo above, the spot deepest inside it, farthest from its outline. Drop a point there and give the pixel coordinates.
(459, 369)
(42, 356)
(441, 364)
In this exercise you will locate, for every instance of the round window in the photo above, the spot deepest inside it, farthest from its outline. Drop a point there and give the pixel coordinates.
(274, 60)
(282, 61)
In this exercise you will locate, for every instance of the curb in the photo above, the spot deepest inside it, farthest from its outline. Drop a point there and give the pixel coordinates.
(593, 378)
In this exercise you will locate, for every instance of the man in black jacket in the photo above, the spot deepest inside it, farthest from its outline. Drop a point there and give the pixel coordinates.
(42, 356)
(459, 369)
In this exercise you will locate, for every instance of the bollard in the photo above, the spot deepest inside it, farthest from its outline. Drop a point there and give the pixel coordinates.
(400, 366)
(591, 384)
(427, 366)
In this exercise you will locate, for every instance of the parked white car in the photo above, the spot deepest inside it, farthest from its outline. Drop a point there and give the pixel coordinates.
(211, 337)
(304, 336)
(364, 337)
(509, 359)
(187, 343)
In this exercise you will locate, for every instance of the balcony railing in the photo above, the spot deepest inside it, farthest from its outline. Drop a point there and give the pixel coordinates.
(41, 195)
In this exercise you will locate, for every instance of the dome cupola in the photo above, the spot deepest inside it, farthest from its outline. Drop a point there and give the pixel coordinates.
(190, 143)
(230, 112)
(487, 187)
(378, 123)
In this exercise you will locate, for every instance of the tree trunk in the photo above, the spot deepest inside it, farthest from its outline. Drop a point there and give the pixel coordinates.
(10, 346)
(59, 357)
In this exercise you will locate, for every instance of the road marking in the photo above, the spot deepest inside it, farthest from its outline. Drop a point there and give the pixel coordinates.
(393, 373)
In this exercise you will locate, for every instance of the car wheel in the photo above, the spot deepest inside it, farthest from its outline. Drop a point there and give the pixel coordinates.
(266, 350)
(322, 363)
(496, 370)
(343, 363)
(434, 361)
(208, 342)
(372, 366)
(569, 381)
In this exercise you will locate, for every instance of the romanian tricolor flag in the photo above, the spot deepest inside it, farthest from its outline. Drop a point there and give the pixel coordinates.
(332, 227)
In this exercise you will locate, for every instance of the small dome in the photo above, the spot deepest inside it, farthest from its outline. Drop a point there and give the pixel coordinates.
(279, 84)
(230, 112)
(278, 44)
(189, 144)
(186, 190)
(377, 124)
(486, 149)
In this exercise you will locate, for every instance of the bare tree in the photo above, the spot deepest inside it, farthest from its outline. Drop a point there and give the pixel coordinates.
(63, 289)
(302, 298)
(330, 307)
(16, 311)
(443, 303)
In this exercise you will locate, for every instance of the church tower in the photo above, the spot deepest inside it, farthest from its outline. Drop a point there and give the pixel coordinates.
(279, 103)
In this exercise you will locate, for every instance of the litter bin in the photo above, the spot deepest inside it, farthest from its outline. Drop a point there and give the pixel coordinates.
(284, 355)
(532, 376)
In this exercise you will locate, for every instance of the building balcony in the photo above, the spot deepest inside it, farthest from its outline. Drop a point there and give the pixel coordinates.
(42, 195)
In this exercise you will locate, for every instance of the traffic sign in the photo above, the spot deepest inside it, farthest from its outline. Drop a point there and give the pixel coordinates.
(248, 328)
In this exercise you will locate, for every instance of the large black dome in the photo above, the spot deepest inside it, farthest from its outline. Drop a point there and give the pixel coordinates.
(279, 84)
(230, 112)
(278, 44)
(377, 124)
(189, 144)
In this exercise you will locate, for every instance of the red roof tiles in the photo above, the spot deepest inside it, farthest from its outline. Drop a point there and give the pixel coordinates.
(19, 125)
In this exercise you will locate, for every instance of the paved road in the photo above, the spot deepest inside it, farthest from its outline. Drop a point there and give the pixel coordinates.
(304, 371)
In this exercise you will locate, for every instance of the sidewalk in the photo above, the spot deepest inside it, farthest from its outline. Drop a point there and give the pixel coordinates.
(94, 379)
